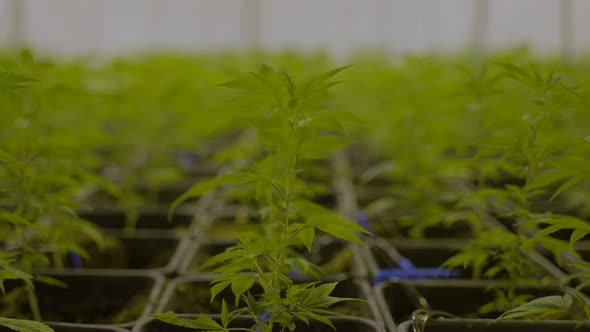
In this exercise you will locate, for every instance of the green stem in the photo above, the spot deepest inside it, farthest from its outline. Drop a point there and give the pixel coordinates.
(262, 276)
(33, 304)
(57, 260)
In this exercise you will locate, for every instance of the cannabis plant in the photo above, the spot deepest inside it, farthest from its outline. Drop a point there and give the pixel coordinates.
(529, 155)
(293, 129)
(38, 181)
(9, 82)
(8, 271)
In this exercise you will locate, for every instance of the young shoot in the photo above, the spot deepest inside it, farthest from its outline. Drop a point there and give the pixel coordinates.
(293, 128)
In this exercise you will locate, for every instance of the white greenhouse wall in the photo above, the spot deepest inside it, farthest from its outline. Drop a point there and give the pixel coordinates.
(71, 27)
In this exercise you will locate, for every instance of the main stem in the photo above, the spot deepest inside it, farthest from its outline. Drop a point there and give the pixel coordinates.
(288, 199)
(285, 234)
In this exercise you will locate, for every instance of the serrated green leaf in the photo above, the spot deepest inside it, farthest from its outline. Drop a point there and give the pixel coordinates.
(318, 318)
(309, 210)
(307, 236)
(475, 257)
(218, 287)
(224, 256)
(315, 82)
(203, 187)
(203, 322)
(330, 222)
(336, 230)
(240, 286)
(13, 218)
(577, 235)
(224, 314)
(556, 247)
(50, 281)
(11, 81)
(540, 307)
(516, 72)
(317, 295)
(7, 157)
(548, 178)
(566, 185)
(6, 267)
(23, 325)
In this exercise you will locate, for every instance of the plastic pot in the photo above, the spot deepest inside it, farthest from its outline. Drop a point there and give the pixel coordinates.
(544, 255)
(488, 325)
(431, 254)
(139, 252)
(170, 192)
(382, 227)
(341, 324)
(229, 221)
(464, 298)
(68, 327)
(150, 218)
(191, 295)
(105, 299)
(387, 226)
(340, 260)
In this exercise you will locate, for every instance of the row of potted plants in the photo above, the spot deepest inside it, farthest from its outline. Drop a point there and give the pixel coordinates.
(526, 146)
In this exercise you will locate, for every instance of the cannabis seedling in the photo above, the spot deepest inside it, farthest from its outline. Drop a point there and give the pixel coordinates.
(37, 184)
(535, 154)
(293, 129)
(8, 82)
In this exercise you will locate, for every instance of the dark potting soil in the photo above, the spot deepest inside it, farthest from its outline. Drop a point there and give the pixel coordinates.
(196, 298)
(149, 218)
(464, 300)
(229, 226)
(391, 229)
(130, 253)
(424, 254)
(93, 307)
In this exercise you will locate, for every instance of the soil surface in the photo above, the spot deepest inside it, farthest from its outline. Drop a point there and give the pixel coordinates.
(92, 307)
(130, 253)
(391, 229)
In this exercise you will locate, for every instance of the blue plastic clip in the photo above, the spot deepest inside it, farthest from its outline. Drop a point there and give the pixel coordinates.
(265, 316)
(75, 260)
(294, 273)
(407, 270)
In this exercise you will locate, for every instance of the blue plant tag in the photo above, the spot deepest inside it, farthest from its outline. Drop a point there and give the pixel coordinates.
(407, 270)
(262, 319)
(75, 260)
(295, 272)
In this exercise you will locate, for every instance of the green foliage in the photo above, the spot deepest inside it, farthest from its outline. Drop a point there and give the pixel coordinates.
(22, 325)
(203, 323)
(451, 143)
(497, 253)
(40, 174)
(543, 307)
(11, 81)
(7, 271)
(291, 129)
